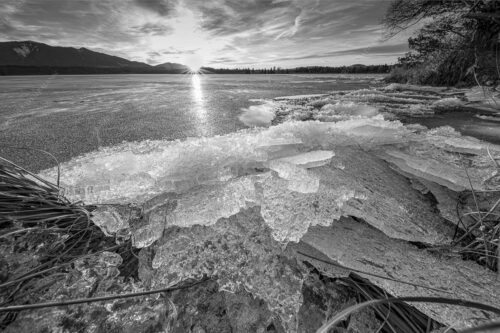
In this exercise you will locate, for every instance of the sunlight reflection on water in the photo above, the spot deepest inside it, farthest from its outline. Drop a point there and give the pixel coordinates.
(199, 104)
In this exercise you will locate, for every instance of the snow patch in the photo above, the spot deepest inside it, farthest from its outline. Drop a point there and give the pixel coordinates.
(449, 103)
(22, 50)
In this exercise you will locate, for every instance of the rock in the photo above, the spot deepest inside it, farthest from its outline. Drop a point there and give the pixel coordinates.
(358, 246)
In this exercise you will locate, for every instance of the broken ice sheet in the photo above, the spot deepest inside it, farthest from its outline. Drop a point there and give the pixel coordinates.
(287, 210)
(112, 219)
(441, 159)
(446, 137)
(293, 198)
(138, 171)
(279, 147)
(356, 245)
(348, 109)
(453, 177)
(205, 205)
(310, 159)
(299, 179)
(289, 213)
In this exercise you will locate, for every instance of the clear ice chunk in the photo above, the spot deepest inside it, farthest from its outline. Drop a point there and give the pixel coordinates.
(207, 204)
(299, 179)
(310, 159)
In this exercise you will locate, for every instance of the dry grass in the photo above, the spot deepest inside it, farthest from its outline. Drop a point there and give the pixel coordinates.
(402, 300)
(480, 238)
(396, 317)
(38, 223)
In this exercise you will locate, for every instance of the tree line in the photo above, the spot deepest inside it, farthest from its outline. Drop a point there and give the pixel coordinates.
(354, 69)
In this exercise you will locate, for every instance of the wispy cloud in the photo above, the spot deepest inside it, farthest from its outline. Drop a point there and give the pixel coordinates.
(162, 7)
(222, 32)
(154, 29)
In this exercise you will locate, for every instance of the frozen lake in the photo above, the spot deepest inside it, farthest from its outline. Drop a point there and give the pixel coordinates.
(72, 115)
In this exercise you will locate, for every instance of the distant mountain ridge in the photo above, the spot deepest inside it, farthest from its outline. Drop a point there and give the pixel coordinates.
(29, 57)
(30, 53)
(33, 58)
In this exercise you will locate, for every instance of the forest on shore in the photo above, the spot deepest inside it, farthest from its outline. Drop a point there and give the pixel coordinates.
(457, 42)
(51, 70)
(353, 69)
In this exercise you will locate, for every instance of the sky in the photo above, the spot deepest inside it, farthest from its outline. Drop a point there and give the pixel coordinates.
(217, 33)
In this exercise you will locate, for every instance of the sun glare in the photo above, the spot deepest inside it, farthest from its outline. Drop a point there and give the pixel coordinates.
(194, 62)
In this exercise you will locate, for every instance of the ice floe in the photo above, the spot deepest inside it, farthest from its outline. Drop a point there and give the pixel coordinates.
(258, 115)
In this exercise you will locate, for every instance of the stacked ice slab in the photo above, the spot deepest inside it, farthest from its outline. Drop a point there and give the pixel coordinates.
(135, 172)
(277, 168)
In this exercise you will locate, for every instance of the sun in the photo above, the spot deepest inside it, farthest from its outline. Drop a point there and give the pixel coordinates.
(194, 62)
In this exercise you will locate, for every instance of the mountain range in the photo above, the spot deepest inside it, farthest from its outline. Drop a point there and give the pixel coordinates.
(28, 57)
(33, 58)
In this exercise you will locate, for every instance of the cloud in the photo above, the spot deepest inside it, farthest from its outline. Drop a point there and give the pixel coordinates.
(293, 30)
(161, 7)
(371, 50)
(154, 29)
(228, 33)
(5, 26)
(227, 17)
(174, 51)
